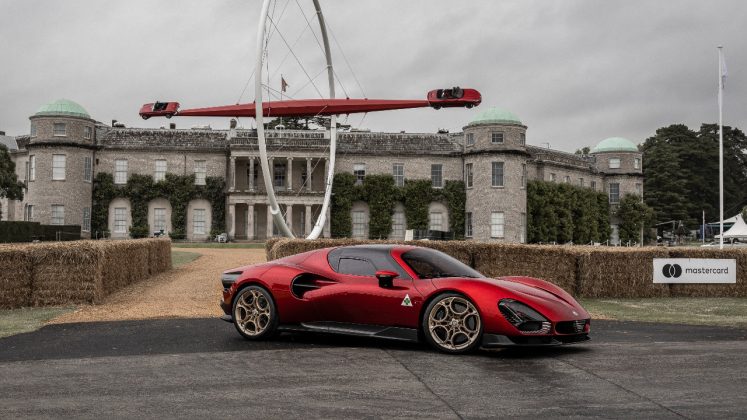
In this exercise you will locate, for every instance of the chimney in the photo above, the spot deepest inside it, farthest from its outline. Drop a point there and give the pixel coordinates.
(114, 122)
(172, 126)
(2, 133)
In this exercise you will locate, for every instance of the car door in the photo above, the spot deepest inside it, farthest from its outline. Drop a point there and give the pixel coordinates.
(364, 302)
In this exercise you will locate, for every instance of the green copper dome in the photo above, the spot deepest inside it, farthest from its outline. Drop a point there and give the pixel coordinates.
(495, 116)
(615, 144)
(63, 107)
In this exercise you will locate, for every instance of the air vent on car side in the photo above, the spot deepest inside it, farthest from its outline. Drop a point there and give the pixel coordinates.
(306, 282)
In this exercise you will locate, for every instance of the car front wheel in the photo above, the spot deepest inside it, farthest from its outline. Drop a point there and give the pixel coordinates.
(452, 324)
(254, 313)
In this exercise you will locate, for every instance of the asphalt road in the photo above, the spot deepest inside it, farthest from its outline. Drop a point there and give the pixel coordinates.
(201, 368)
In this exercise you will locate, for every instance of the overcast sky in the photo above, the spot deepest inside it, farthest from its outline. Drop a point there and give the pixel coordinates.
(575, 72)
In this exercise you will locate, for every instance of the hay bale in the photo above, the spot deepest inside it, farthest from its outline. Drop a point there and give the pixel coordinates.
(65, 273)
(159, 255)
(124, 262)
(15, 276)
(556, 264)
(269, 245)
(620, 272)
(713, 290)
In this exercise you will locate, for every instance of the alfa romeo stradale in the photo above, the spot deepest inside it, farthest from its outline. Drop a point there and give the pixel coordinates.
(402, 293)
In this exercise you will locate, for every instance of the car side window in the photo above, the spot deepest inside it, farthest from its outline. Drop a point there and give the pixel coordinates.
(356, 267)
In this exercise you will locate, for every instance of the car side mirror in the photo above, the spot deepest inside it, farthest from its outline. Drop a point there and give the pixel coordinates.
(386, 278)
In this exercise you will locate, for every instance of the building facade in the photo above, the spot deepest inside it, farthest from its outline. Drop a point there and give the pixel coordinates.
(66, 149)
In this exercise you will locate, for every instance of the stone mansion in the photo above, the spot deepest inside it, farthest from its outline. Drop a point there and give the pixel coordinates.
(66, 148)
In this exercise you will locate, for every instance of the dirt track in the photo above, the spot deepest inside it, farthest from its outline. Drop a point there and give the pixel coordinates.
(190, 291)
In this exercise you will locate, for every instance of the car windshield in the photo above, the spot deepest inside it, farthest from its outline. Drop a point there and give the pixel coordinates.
(432, 264)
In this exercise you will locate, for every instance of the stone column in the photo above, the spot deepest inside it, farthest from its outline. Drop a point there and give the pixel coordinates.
(289, 174)
(250, 222)
(289, 216)
(308, 174)
(232, 173)
(307, 220)
(231, 220)
(251, 174)
(270, 223)
(327, 231)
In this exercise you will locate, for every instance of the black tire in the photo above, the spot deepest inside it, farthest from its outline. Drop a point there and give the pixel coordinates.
(262, 321)
(439, 325)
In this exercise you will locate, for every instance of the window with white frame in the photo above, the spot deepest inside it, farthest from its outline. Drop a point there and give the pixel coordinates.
(198, 221)
(497, 169)
(437, 180)
(29, 215)
(278, 175)
(26, 174)
(120, 219)
(468, 224)
(87, 169)
(523, 138)
(32, 168)
(523, 175)
(497, 221)
(86, 226)
(87, 132)
(159, 219)
(552, 177)
(200, 172)
(398, 224)
(567, 179)
(593, 185)
(614, 163)
(496, 137)
(58, 167)
(398, 172)
(59, 130)
(160, 173)
(120, 171)
(580, 182)
(637, 163)
(58, 214)
(33, 130)
(359, 224)
(359, 170)
(614, 193)
(470, 139)
(436, 221)
(468, 175)
(638, 189)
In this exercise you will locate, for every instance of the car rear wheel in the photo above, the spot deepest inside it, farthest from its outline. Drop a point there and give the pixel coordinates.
(451, 324)
(254, 313)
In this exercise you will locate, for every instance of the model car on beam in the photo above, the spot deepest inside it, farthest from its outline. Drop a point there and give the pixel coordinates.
(159, 109)
(401, 293)
(454, 97)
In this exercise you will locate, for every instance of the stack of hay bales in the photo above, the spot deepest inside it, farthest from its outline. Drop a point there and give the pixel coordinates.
(76, 272)
(713, 290)
(556, 264)
(66, 273)
(15, 276)
(620, 272)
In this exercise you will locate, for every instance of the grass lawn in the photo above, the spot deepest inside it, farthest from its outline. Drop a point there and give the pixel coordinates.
(17, 321)
(216, 245)
(182, 257)
(699, 311)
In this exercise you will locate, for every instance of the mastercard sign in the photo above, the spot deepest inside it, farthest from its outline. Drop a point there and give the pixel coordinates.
(695, 270)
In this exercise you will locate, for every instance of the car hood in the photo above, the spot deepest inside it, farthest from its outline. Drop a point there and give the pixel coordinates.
(551, 301)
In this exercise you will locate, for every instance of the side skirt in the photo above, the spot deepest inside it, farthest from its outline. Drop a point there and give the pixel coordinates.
(362, 330)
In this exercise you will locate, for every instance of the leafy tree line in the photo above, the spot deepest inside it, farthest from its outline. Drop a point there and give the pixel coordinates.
(10, 186)
(680, 168)
(565, 213)
(381, 194)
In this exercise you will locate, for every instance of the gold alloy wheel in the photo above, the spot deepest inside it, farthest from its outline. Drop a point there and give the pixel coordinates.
(252, 312)
(454, 323)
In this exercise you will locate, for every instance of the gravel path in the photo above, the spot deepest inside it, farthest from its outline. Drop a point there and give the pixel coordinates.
(190, 291)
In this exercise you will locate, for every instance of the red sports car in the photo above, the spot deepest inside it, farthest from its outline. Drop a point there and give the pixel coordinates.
(402, 293)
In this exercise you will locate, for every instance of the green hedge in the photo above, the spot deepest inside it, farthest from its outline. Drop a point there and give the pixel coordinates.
(29, 231)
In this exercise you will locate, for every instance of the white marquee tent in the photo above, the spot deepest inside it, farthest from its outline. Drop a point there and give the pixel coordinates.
(737, 231)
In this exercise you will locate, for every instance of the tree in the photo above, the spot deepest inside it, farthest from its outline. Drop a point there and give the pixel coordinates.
(304, 123)
(583, 151)
(10, 186)
(634, 215)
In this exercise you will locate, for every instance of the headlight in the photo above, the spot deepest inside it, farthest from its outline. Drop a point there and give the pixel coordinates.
(227, 279)
(524, 318)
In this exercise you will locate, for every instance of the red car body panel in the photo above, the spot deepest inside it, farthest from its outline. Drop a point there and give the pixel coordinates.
(353, 299)
(307, 107)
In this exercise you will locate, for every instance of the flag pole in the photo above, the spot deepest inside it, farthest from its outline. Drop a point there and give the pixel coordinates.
(721, 144)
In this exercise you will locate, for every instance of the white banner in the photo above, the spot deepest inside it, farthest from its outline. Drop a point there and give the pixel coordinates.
(694, 270)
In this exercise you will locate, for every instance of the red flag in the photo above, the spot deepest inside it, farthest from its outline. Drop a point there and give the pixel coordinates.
(283, 84)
